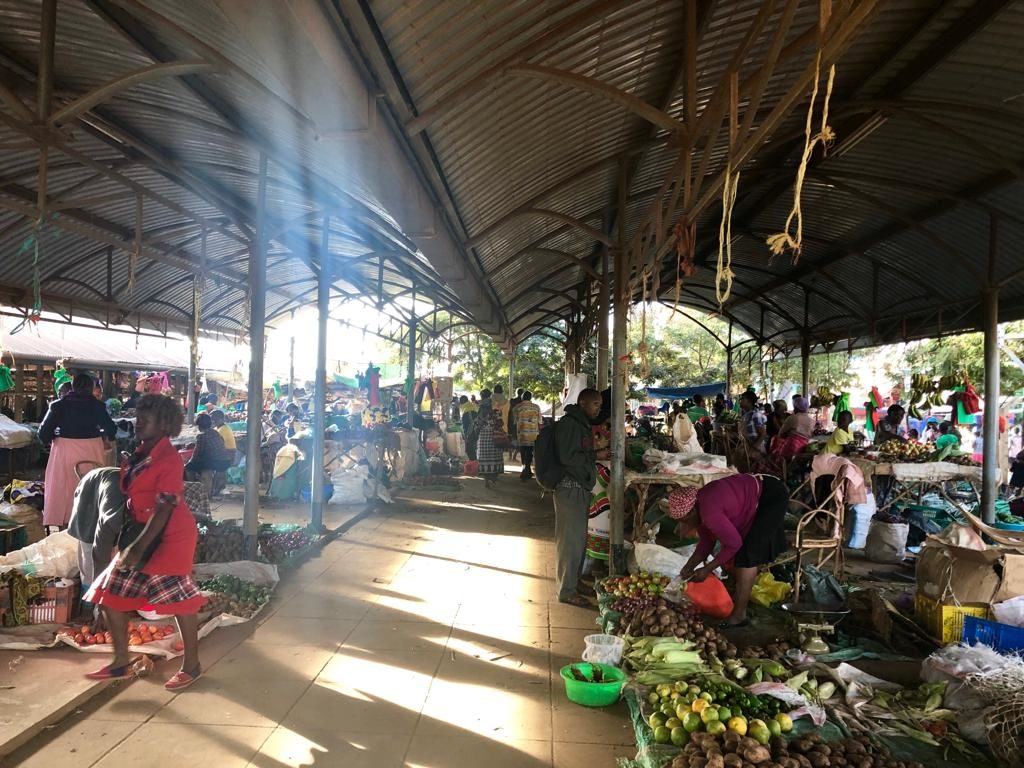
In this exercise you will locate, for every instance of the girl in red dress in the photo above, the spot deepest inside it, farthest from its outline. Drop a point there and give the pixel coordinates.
(154, 572)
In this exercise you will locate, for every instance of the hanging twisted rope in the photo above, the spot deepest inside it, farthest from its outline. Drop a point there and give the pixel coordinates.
(781, 242)
(724, 273)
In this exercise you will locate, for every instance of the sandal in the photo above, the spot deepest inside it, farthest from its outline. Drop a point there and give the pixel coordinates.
(182, 680)
(110, 673)
(578, 600)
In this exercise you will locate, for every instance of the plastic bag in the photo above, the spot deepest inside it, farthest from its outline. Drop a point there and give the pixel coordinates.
(768, 591)
(55, 557)
(1010, 611)
(710, 597)
(886, 542)
(654, 558)
(860, 521)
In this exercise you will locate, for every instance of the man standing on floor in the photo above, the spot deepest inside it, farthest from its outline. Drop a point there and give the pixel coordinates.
(526, 420)
(574, 447)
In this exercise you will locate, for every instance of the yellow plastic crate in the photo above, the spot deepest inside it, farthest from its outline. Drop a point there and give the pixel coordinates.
(946, 622)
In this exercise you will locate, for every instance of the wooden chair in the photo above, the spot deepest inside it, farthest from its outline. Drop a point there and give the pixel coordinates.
(819, 530)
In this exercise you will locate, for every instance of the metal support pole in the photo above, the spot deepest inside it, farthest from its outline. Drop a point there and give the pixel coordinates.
(728, 364)
(990, 427)
(191, 400)
(805, 366)
(512, 374)
(257, 322)
(411, 375)
(602, 323)
(291, 367)
(323, 298)
(620, 386)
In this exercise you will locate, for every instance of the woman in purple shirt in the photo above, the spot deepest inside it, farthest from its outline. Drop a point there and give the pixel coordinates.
(744, 514)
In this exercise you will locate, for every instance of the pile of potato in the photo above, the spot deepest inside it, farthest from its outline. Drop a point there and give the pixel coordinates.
(730, 750)
(664, 618)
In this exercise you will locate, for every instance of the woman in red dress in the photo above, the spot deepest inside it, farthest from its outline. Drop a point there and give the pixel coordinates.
(154, 572)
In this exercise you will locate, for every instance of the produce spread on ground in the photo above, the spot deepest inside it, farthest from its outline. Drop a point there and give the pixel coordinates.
(697, 700)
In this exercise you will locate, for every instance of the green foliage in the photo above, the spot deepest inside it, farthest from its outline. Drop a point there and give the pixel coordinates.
(966, 352)
(679, 351)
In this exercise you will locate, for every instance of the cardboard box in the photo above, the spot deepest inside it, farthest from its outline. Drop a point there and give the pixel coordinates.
(948, 574)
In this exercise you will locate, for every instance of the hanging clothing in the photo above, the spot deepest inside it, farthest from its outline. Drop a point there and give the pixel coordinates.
(847, 478)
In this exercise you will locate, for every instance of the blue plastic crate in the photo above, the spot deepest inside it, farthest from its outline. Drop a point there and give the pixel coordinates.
(1001, 637)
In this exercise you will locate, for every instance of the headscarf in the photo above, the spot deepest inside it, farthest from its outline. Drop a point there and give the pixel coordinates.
(681, 501)
(800, 404)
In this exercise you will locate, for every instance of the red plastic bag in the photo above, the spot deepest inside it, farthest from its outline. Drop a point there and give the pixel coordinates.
(471, 467)
(710, 597)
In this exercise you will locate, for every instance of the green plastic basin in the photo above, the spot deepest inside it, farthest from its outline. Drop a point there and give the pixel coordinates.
(593, 694)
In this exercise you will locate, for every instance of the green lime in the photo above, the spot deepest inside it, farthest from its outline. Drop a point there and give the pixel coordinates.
(724, 713)
(774, 727)
(709, 715)
(716, 727)
(662, 735)
(668, 708)
(692, 722)
(680, 736)
(673, 722)
(656, 720)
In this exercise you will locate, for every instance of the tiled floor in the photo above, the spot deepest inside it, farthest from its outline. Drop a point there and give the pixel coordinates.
(424, 638)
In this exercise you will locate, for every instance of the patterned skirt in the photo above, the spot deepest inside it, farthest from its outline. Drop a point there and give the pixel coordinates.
(126, 590)
(492, 461)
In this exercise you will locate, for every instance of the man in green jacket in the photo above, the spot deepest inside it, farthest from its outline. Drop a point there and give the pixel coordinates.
(574, 446)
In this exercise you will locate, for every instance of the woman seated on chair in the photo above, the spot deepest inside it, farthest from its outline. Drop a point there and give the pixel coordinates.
(209, 457)
(744, 514)
(842, 435)
(795, 432)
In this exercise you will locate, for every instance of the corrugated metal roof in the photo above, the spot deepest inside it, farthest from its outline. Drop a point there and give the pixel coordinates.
(928, 107)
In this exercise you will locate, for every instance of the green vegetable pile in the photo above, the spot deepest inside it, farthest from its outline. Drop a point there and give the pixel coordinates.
(233, 595)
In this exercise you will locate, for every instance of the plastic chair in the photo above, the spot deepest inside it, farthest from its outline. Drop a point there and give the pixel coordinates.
(826, 541)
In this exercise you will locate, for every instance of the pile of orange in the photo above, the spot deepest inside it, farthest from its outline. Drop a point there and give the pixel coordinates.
(146, 633)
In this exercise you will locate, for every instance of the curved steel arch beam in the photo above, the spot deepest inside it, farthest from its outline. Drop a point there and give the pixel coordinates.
(693, 319)
(572, 221)
(144, 74)
(596, 87)
(564, 255)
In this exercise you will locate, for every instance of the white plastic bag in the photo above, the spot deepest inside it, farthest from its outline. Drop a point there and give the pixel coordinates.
(1010, 611)
(55, 557)
(654, 558)
(860, 521)
(886, 542)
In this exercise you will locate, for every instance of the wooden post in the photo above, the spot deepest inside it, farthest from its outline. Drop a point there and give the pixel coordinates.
(728, 363)
(193, 358)
(19, 393)
(257, 322)
(323, 298)
(604, 306)
(40, 402)
(990, 427)
(805, 349)
(511, 376)
(620, 387)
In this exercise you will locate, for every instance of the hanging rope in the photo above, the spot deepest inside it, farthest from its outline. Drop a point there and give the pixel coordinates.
(33, 241)
(781, 242)
(724, 273)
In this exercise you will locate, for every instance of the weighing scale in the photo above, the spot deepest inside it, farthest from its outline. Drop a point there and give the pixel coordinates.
(811, 619)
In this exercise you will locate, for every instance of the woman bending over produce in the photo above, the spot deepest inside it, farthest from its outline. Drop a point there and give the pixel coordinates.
(744, 514)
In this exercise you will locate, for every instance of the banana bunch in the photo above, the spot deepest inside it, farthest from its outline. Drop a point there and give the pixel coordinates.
(825, 397)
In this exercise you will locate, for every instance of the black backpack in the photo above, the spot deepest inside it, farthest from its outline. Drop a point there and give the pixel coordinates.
(549, 471)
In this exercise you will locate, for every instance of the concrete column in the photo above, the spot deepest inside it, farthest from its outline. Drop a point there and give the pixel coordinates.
(411, 375)
(323, 298)
(191, 401)
(257, 323)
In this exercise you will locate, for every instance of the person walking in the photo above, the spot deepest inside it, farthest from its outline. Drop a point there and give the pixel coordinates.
(574, 450)
(153, 572)
(526, 420)
(77, 430)
(488, 453)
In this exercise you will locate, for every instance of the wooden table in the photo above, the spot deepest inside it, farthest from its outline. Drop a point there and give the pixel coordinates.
(902, 482)
(643, 481)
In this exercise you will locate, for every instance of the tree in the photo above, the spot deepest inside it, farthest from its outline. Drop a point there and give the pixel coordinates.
(679, 352)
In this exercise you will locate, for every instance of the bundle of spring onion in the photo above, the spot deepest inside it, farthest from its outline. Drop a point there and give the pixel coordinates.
(659, 660)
